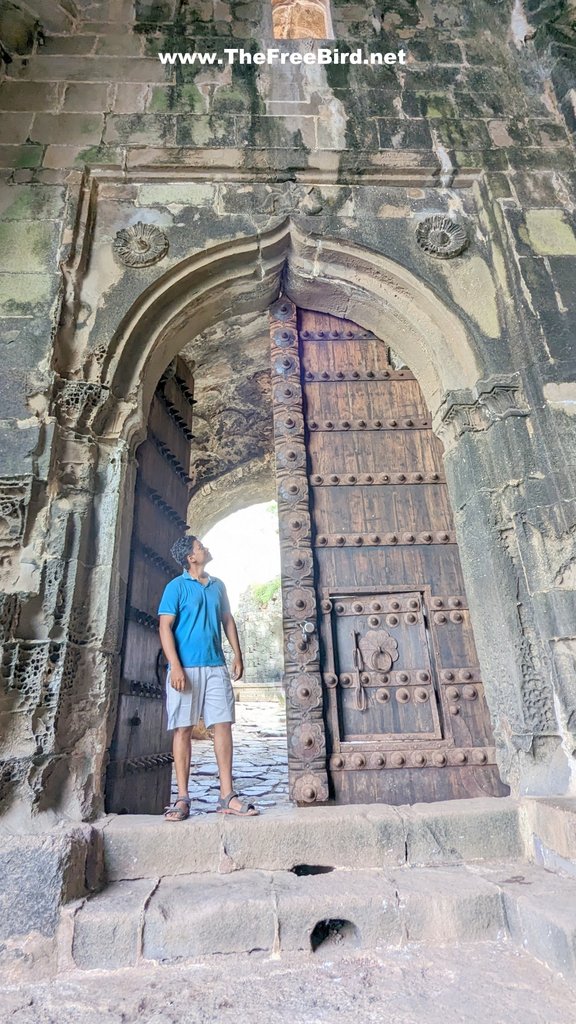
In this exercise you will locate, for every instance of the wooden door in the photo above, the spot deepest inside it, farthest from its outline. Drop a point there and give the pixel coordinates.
(385, 698)
(140, 769)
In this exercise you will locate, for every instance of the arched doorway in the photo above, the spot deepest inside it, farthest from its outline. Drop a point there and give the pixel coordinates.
(383, 705)
(246, 275)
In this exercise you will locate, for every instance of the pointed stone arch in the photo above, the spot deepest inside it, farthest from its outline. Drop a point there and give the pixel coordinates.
(246, 275)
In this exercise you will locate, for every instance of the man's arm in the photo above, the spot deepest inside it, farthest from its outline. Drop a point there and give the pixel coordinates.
(177, 677)
(232, 637)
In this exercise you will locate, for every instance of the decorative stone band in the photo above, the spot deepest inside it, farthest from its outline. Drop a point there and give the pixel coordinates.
(477, 409)
(306, 732)
(362, 760)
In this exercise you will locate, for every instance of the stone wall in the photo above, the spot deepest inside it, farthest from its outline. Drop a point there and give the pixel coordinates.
(259, 621)
(312, 178)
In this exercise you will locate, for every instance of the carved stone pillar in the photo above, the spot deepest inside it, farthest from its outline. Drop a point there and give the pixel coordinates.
(61, 638)
(517, 544)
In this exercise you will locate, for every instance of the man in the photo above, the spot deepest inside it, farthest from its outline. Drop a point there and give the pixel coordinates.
(192, 610)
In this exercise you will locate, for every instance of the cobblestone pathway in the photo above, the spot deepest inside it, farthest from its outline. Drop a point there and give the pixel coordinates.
(260, 759)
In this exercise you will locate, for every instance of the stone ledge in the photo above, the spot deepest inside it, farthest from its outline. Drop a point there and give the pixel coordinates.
(540, 911)
(550, 829)
(353, 836)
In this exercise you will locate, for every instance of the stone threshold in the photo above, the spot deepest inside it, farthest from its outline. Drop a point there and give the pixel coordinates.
(371, 836)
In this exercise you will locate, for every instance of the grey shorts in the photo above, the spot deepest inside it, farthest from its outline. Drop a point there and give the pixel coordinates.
(208, 694)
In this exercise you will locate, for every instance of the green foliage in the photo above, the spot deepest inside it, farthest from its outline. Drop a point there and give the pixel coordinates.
(264, 592)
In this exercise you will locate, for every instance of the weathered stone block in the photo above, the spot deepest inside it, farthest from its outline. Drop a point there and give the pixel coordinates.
(69, 129)
(121, 44)
(31, 202)
(208, 914)
(135, 845)
(552, 820)
(28, 155)
(68, 44)
(15, 128)
(108, 928)
(540, 909)
(448, 905)
(365, 899)
(463, 830)
(130, 98)
(550, 232)
(101, 69)
(28, 96)
(39, 872)
(199, 130)
(141, 129)
(29, 251)
(77, 156)
(87, 97)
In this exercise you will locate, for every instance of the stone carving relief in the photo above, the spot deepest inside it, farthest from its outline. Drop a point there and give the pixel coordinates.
(442, 237)
(75, 461)
(537, 697)
(140, 245)
(14, 498)
(491, 400)
(294, 198)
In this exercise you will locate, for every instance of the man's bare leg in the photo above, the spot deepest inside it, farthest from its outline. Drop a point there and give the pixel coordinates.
(182, 751)
(223, 748)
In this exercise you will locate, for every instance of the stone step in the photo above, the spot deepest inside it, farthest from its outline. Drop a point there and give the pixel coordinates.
(184, 917)
(197, 915)
(356, 836)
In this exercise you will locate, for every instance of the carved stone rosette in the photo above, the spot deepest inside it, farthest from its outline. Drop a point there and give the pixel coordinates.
(302, 679)
(140, 245)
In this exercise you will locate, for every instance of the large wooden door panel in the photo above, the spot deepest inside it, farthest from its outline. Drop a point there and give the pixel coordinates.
(140, 769)
(398, 714)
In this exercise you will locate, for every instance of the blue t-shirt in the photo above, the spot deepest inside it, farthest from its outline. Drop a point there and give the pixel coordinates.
(198, 609)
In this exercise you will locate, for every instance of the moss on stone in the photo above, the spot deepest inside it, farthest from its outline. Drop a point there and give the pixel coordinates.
(549, 233)
(98, 155)
(28, 155)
